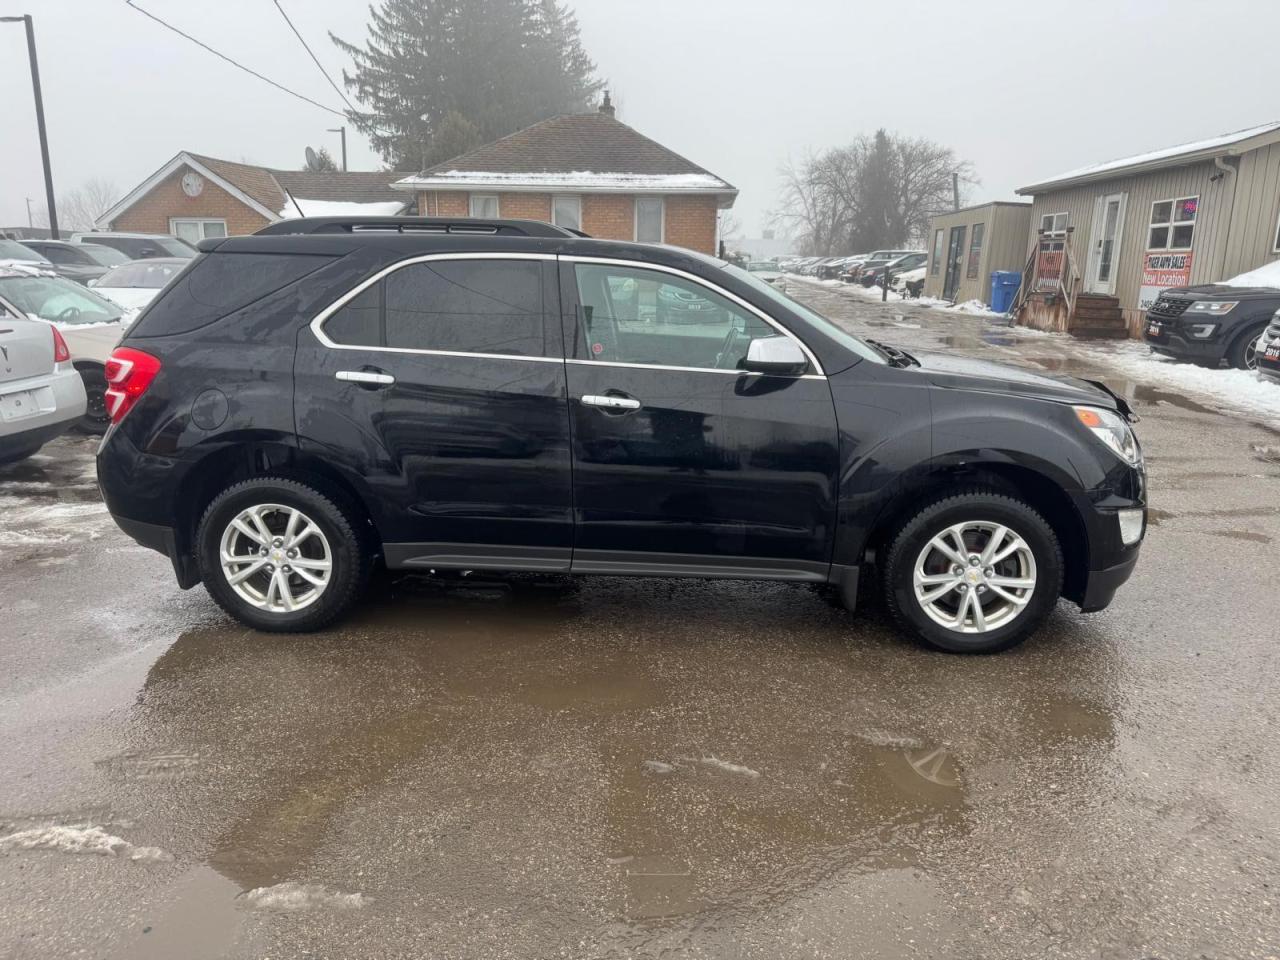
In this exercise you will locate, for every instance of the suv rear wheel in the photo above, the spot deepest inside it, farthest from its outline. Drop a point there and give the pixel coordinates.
(279, 555)
(973, 573)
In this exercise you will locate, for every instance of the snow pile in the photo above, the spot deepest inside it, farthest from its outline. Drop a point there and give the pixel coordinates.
(302, 207)
(725, 766)
(293, 897)
(1267, 275)
(1234, 389)
(28, 268)
(574, 179)
(79, 839)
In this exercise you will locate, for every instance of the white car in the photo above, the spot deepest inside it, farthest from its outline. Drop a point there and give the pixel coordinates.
(133, 285)
(41, 394)
(769, 272)
(87, 324)
(909, 283)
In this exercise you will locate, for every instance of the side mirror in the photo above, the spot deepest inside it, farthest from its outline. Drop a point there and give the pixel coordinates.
(781, 356)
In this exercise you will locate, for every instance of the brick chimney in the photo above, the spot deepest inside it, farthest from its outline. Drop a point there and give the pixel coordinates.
(606, 105)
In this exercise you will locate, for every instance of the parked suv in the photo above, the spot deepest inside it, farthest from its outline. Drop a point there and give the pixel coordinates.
(139, 246)
(501, 395)
(1211, 323)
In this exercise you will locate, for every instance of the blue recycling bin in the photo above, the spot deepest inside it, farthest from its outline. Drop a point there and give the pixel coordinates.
(1004, 287)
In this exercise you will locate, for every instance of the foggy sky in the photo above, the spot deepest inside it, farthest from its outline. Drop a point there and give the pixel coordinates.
(735, 85)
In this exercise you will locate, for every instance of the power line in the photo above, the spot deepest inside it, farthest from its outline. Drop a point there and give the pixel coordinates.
(234, 63)
(314, 59)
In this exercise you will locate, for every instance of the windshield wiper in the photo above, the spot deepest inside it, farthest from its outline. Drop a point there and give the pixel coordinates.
(896, 357)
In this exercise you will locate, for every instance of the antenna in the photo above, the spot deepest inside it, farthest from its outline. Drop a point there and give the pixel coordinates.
(313, 162)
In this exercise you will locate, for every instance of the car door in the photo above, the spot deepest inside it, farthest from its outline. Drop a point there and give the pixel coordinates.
(440, 384)
(683, 462)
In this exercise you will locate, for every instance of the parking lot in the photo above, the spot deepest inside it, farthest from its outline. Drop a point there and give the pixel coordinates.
(534, 767)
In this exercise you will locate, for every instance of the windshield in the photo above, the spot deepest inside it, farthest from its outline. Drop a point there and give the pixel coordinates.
(103, 256)
(58, 300)
(812, 317)
(149, 274)
(762, 266)
(12, 250)
(176, 247)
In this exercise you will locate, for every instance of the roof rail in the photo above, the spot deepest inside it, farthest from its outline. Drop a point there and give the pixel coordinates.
(466, 225)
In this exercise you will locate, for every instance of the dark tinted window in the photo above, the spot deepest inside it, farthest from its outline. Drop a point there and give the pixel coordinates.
(466, 306)
(359, 322)
(217, 284)
(59, 254)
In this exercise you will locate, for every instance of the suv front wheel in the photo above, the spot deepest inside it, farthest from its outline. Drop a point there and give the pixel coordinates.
(279, 555)
(977, 572)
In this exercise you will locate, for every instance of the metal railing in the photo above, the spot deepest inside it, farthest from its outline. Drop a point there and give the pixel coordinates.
(1050, 270)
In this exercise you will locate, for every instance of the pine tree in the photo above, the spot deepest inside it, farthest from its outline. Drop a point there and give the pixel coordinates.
(439, 77)
(324, 162)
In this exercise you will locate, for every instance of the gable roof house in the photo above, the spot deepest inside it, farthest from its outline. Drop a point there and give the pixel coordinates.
(589, 172)
(1106, 239)
(194, 196)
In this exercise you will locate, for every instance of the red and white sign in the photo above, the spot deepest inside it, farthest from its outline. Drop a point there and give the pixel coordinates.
(1160, 271)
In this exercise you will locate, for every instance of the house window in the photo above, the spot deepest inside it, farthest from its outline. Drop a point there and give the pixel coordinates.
(1054, 224)
(975, 250)
(567, 212)
(1173, 224)
(935, 262)
(484, 206)
(649, 219)
(193, 230)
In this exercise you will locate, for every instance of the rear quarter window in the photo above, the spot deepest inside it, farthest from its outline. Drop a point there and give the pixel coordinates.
(218, 284)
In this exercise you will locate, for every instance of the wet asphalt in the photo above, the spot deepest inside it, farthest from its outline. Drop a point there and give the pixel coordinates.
(532, 767)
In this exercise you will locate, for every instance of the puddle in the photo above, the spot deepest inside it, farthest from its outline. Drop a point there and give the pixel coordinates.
(1248, 535)
(1156, 517)
(1148, 394)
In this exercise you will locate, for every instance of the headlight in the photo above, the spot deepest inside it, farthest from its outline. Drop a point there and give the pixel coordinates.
(1214, 307)
(1113, 430)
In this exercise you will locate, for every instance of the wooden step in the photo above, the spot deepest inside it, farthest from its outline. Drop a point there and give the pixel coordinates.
(1088, 329)
(1089, 311)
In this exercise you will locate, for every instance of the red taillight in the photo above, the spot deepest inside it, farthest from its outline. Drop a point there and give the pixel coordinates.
(60, 352)
(129, 373)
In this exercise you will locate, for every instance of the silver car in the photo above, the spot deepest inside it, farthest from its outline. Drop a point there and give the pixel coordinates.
(41, 393)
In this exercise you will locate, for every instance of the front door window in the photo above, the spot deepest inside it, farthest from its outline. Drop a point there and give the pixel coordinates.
(1105, 243)
(641, 316)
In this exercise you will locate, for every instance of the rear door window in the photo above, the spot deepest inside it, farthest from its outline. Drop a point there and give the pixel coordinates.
(218, 284)
(454, 306)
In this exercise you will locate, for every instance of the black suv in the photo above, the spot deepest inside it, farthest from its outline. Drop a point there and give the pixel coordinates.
(1211, 323)
(301, 404)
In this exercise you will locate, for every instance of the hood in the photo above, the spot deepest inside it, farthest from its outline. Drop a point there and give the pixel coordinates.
(1222, 291)
(953, 372)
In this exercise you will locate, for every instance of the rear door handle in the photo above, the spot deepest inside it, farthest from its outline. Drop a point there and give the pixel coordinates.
(612, 403)
(366, 376)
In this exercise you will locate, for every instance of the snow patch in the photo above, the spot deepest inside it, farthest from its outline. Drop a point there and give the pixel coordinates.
(576, 179)
(339, 208)
(293, 897)
(659, 767)
(1267, 275)
(725, 766)
(80, 839)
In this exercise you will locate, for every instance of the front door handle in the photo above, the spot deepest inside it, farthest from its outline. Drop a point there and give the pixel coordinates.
(372, 377)
(612, 403)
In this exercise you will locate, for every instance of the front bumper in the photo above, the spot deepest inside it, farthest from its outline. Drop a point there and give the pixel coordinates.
(1172, 342)
(1102, 584)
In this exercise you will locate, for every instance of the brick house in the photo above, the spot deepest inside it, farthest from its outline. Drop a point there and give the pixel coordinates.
(587, 171)
(194, 197)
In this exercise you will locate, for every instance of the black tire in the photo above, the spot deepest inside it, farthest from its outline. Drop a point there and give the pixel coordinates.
(1241, 355)
(351, 556)
(95, 419)
(976, 505)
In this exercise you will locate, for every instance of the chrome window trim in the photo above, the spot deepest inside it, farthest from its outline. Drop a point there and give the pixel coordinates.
(694, 278)
(661, 366)
(317, 324)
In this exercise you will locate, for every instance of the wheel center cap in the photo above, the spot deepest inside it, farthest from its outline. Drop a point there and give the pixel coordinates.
(277, 556)
(974, 576)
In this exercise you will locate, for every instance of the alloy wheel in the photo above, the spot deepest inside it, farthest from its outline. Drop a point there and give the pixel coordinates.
(975, 576)
(275, 558)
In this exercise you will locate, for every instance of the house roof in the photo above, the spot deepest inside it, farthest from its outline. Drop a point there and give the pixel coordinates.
(271, 192)
(588, 151)
(1226, 145)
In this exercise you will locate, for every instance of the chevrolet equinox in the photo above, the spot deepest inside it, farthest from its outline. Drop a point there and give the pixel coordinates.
(300, 405)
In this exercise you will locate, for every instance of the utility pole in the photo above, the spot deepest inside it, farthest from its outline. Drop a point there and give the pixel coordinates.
(955, 190)
(30, 222)
(342, 130)
(44, 139)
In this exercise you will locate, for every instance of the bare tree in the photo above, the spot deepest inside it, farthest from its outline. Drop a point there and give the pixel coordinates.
(79, 208)
(878, 191)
